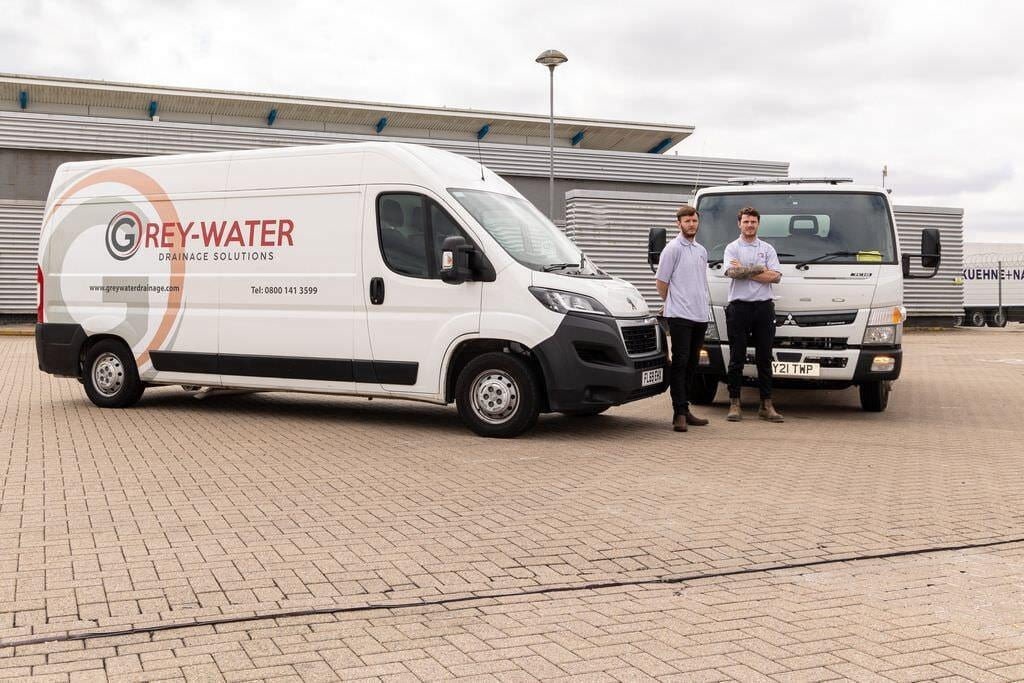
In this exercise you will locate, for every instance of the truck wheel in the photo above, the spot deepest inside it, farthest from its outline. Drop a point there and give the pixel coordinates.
(498, 395)
(110, 376)
(702, 390)
(874, 396)
(585, 412)
(976, 318)
(997, 318)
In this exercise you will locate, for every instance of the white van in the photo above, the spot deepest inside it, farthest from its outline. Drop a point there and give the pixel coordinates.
(372, 269)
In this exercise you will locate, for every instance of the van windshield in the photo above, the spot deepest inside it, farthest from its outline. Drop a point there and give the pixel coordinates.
(525, 233)
(850, 227)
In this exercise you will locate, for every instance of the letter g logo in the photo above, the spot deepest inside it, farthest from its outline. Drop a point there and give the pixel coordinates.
(124, 235)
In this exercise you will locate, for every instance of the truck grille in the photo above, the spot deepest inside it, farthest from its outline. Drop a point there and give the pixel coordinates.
(640, 339)
(815, 343)
(815, 319)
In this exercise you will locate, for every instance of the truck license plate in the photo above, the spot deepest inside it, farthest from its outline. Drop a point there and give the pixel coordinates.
(650, 377)
(780, 369)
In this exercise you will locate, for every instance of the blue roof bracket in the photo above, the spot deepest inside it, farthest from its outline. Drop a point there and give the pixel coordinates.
(380, 124)
(23, 99)
(482, 133)
(152, 108)
(577, 139)
(658, 148)
(271, 117)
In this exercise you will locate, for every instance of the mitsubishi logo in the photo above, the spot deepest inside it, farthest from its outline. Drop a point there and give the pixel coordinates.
(789, 320)
(631, 303)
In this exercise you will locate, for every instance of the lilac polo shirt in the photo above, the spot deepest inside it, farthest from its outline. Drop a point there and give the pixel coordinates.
(756, 253)
(684, 265)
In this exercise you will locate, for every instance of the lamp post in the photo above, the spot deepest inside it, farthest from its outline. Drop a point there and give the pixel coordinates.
(551, 59)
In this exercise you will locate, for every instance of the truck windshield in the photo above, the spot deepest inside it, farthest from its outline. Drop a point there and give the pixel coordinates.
(525, 233)
(850, 227)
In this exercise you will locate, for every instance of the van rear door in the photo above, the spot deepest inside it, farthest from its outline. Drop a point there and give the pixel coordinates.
(412, 316)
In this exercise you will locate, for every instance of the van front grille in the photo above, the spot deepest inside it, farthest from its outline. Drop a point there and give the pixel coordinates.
(640, 339)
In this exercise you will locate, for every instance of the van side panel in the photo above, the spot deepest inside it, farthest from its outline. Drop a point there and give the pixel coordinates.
(114, 239)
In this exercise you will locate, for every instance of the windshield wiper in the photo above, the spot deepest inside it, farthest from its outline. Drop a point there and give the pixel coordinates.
(831, 254)
(560, 266)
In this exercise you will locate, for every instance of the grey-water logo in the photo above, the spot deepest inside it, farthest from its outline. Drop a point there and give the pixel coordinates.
(124, 235)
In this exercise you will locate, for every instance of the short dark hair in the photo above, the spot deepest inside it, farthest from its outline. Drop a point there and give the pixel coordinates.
(686, 210)
(748, 211)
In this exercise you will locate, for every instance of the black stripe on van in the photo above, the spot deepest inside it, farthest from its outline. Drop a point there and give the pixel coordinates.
(288, 367)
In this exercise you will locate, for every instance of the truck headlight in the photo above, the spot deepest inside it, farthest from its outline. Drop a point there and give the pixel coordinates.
(568, 302)
(880, 334)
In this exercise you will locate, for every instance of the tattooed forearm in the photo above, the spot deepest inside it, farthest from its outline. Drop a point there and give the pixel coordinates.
(743, 272)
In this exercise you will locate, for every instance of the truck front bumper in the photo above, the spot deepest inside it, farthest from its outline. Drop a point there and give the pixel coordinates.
(856, 365)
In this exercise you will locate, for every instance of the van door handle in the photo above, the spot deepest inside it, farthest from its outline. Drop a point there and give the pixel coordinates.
(376, 291)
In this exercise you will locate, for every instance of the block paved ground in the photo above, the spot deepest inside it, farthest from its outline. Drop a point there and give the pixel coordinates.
(180, 511)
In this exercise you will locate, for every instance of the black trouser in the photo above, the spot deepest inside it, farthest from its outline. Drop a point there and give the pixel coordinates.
(744, 319)
(687, 337)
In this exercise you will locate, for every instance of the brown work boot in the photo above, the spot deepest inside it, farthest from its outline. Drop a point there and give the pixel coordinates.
(735, 412)
(679, 423)
(768, 412)
(695, 421)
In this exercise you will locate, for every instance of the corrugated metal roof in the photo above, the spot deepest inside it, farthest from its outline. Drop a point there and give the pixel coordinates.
(48, 93)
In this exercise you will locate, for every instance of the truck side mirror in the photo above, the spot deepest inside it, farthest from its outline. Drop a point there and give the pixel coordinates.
(455, 260)
(931, 255)
(655, 245)
(931, 248)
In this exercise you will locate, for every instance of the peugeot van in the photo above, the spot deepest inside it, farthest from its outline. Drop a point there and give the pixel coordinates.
(368, 269)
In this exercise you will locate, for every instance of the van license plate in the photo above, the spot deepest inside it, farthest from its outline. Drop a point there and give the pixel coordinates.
(650, 377)
(780, 369)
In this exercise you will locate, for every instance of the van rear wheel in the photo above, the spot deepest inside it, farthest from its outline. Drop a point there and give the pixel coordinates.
(498, 395)
(110, 376)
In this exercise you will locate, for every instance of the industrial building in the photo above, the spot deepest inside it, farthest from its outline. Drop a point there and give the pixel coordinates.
(613, 179)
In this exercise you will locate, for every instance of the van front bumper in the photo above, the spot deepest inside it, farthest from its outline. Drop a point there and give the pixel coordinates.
(58, 346)
(857, 369)
(586, 366)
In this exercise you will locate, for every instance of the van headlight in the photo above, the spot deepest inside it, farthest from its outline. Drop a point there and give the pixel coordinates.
(568, 302)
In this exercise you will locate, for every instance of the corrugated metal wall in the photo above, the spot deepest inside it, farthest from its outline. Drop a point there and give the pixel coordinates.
(140, 138)
(19, 242)
(611, 227)
(943, 295)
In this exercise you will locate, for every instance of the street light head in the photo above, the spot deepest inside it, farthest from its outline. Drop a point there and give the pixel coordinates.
(551, 58)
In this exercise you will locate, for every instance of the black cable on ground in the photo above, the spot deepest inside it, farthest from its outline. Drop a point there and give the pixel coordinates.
(538, 590)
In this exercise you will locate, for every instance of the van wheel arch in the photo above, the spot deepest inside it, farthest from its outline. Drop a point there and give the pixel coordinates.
(472, 348)
(91, 342)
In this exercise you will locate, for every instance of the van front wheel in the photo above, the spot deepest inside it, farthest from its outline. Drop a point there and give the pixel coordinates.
(497, 395)
(110, 376)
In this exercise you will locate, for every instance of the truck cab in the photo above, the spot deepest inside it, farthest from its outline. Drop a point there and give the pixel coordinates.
(839, 306)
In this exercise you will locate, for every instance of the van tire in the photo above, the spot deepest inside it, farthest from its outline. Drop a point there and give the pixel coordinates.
(110, 376)
(498, 395)
(874, 396)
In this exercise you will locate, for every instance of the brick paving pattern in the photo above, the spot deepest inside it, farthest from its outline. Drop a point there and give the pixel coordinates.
(182, 510)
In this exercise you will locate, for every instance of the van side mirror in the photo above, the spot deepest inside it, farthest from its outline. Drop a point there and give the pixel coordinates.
(455, 260)
(931, 255)
(655, 245)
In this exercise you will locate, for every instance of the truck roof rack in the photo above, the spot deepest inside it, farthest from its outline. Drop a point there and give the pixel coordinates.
(775, 180)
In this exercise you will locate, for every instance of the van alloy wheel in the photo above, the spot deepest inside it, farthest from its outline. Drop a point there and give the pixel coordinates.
(495, 397)
(108, 374)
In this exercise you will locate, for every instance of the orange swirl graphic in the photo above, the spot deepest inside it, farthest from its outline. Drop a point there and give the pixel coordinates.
(151, 190)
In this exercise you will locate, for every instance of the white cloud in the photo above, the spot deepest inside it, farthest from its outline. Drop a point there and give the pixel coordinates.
(934, 90)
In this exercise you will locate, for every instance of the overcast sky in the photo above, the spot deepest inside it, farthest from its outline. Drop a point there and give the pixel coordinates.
(935, 90)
